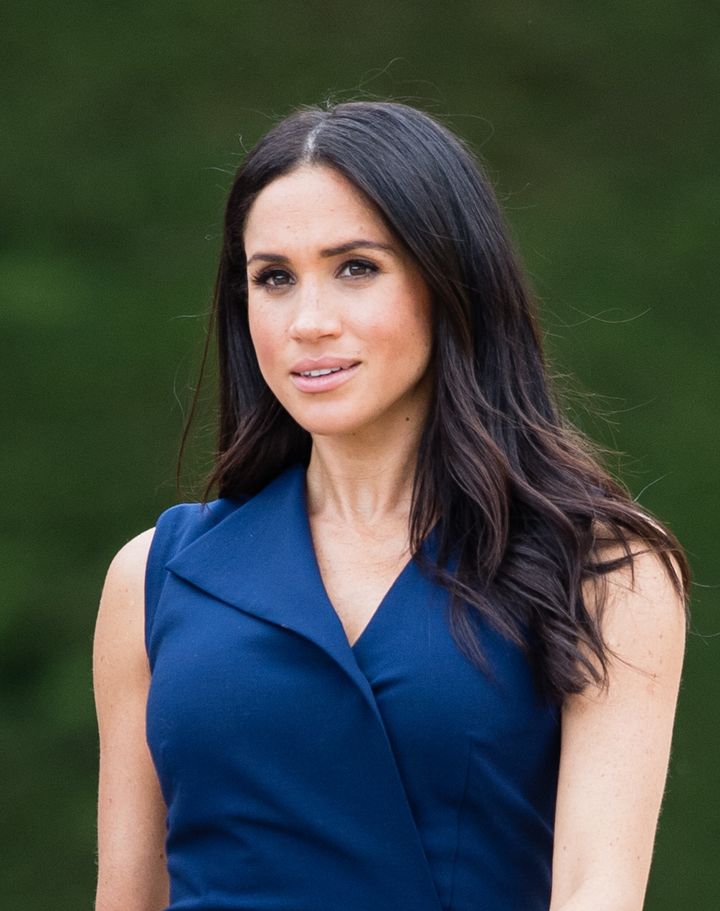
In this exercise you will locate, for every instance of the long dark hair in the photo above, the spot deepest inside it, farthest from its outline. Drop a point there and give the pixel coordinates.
(526, 508)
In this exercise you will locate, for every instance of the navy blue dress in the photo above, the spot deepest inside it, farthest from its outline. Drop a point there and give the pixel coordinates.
(303, 774)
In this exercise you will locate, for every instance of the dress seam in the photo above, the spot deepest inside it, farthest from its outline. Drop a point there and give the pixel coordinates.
(461, 809)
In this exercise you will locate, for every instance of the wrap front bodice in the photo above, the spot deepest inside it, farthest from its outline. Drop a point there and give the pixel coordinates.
(302, 773)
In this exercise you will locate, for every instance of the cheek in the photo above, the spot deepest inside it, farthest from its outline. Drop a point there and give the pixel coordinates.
(401, 350)
(265, 334)
(401, 319)
(413, 335)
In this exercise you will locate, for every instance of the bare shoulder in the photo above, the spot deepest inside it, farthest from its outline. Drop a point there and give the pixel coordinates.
(131, 811)
(616, 739)
(644, 617)
(127, 567)
(119, 631)
(125, 579)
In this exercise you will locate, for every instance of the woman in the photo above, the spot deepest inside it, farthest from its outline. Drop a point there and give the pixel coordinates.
(422, 652)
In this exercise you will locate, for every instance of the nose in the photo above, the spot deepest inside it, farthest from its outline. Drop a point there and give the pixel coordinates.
(315, 315)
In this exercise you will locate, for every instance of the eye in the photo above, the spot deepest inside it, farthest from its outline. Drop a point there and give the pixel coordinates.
(358, 268)
(272, 278)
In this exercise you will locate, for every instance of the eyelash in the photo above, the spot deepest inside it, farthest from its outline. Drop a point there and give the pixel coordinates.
(261, 279)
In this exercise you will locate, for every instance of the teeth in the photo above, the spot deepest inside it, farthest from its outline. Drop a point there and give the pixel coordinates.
(320, 372)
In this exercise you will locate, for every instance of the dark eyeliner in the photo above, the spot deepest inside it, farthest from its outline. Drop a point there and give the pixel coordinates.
(261, 278)
(372, 267)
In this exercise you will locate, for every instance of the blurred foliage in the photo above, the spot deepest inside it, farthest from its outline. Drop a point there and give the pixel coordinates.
(121, 126)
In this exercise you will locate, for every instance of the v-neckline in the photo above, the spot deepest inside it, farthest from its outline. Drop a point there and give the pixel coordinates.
(379, 608)
(321, 584)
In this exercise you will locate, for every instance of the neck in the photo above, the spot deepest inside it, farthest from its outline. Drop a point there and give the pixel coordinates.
(364, 481)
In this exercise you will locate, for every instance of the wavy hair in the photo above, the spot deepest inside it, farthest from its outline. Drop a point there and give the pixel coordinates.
(527, 512)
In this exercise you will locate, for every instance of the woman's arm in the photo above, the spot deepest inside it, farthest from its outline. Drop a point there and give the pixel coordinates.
(616, 749)
(131, 813)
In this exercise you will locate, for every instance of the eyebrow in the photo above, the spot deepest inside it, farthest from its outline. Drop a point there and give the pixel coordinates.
(326, 251)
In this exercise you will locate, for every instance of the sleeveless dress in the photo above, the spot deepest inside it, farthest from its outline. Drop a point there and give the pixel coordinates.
(302, 773)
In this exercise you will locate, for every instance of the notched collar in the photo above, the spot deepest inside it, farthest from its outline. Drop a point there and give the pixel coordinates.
(260, 559)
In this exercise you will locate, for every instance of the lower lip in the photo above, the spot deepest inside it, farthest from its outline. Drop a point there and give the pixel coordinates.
(323, 383)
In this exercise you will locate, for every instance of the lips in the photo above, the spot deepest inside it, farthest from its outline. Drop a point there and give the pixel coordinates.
(322, 374)
(323, 364)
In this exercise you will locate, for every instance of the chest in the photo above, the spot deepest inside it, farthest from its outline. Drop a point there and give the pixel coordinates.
(272, 738)
(358, 570)
(277, 676)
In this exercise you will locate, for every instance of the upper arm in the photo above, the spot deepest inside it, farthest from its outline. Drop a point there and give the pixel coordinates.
(131, 813)
(615, 745)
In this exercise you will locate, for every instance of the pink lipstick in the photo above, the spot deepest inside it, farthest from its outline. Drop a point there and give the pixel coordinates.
(322, 374)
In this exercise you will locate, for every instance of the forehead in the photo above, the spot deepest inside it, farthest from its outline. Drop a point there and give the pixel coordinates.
(315, 205)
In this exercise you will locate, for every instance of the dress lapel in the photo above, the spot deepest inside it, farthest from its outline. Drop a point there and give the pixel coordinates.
(260, 559)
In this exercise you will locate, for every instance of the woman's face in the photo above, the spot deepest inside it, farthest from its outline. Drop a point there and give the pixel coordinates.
(339, 315)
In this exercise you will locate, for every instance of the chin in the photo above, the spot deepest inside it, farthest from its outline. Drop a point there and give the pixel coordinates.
(327, 421)
(336, 427)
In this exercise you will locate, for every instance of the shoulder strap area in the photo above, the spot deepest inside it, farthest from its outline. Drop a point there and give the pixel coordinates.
(175, 528)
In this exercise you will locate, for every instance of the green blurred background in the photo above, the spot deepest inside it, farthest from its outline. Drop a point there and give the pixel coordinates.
(121, 125)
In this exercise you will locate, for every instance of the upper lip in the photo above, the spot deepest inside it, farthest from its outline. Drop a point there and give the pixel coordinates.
(322, 363)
